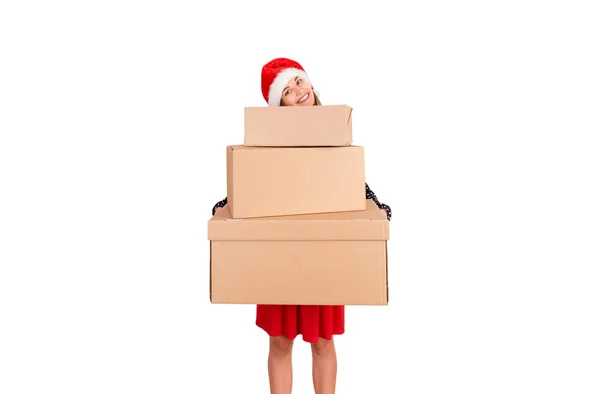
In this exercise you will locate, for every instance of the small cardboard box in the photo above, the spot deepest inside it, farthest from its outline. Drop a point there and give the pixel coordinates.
(323, 259)
(320, 125)
(294, 181)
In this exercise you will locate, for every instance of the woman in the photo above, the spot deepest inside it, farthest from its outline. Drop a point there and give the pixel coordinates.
(285, 83)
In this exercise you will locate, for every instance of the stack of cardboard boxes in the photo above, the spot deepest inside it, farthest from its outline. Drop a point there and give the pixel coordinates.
(297, 228)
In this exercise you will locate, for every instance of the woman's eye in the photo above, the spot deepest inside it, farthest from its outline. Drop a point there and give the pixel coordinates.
(299, 81)
(287, 92)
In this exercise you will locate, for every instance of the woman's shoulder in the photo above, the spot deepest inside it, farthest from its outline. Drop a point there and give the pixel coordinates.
(220, 204)
(372, 196)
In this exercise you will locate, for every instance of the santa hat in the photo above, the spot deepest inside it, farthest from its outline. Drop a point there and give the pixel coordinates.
(275, 76)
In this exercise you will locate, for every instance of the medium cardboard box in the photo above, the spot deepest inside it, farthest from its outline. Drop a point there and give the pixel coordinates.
(323, 259)
(324, 125)
(294, 180)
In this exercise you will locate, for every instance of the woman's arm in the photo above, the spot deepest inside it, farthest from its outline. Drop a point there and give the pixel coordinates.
(372, 196)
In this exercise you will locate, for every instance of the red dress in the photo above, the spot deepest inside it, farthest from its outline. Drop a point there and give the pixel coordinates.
(310, 321)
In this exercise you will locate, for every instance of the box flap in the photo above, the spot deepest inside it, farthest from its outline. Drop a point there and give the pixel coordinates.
(291, 110)
(368, 224)
(240, 147)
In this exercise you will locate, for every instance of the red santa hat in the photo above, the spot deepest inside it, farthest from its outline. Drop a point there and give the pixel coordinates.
(275, 76)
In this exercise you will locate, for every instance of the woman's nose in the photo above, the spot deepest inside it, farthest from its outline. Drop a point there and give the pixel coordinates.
(299, 90)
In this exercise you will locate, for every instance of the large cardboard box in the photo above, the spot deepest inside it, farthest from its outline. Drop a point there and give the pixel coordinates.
(294, 180)
(323, 259)
(325, 125)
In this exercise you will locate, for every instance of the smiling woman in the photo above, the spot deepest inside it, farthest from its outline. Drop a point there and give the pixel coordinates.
(285, 83)
(298, 92)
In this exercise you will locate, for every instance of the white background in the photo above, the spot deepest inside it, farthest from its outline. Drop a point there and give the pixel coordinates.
(114, 118)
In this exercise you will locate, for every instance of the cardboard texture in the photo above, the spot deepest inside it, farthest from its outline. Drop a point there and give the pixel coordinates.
(320, 259)
(269, 181)
(326, 125)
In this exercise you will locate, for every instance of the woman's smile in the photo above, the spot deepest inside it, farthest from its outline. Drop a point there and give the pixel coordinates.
(303, 98)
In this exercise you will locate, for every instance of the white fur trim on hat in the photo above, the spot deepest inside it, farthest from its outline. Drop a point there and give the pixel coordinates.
(281, 81)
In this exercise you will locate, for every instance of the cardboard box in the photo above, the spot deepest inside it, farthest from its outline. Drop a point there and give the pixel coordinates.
(322, 259)
(294, 181)
(325, 125)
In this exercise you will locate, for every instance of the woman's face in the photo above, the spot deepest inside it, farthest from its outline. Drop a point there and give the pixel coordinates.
(298, 92)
